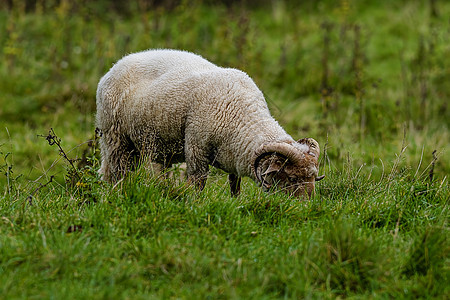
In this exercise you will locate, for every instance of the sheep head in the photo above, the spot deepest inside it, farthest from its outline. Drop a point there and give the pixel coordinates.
(288, 166)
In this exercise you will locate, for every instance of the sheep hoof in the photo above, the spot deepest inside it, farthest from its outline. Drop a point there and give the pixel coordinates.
(235, 184)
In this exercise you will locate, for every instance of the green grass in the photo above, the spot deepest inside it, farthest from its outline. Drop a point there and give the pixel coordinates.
(155, 237)
(369, 81)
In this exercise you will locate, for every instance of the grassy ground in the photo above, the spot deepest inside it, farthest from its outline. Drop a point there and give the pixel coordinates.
(369, 81)
(161, 239)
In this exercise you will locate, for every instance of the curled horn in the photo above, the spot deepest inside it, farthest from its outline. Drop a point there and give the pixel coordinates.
(313, 145)
(282, 148)
(314, 150)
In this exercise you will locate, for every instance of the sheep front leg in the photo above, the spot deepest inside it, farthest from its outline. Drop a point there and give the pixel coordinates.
(198, 181)
(197, 175)
(235, 184)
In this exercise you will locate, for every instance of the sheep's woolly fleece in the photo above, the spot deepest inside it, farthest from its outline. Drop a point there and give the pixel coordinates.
(175, 106)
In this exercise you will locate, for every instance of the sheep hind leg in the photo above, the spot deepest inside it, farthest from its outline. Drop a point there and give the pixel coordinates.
(117, 161)
(235, 184)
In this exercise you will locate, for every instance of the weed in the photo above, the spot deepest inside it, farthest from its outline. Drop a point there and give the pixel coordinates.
(6, 168)
(73, 173)
(30, 197)
(83, 176)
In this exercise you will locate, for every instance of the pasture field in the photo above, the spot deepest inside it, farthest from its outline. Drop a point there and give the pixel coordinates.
(369, 80)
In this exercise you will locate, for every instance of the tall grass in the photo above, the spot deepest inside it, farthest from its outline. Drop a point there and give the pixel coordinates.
(154, 236)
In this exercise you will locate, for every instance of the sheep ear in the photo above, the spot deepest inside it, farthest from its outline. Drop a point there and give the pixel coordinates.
(274, 167)
(265, 166)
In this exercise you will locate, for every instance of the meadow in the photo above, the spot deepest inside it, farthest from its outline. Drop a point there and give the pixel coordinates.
(369, 80)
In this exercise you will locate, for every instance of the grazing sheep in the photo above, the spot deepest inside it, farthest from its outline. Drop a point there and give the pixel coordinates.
(169, 106)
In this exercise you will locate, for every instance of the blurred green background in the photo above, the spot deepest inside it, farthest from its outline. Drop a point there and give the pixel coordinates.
(367, 79)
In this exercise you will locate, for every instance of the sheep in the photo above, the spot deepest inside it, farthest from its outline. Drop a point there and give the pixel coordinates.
(169, 106)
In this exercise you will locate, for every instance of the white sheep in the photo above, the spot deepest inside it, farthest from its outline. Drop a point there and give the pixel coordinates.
(169, 106)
